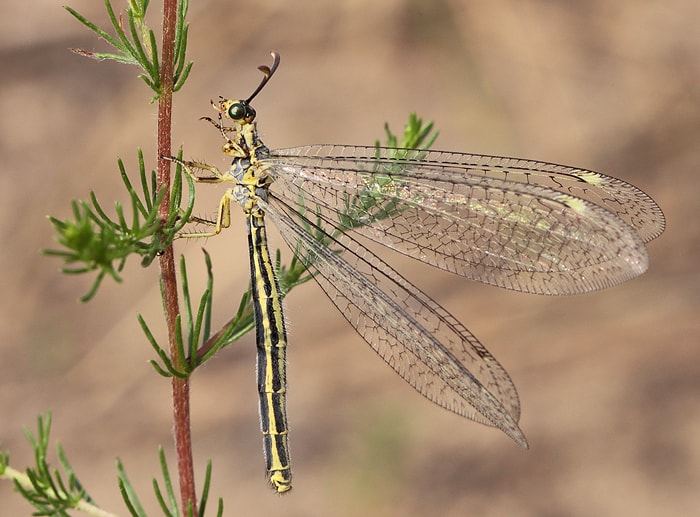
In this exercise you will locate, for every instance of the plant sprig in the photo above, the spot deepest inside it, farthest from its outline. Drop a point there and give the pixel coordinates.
(51, 491)
(167, 499)
(139, 47)
(94, 241)
(415, 135)
(55, 492)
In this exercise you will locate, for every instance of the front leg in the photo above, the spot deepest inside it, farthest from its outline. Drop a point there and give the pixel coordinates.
(230, 147)
(224, 130)
(190, 166)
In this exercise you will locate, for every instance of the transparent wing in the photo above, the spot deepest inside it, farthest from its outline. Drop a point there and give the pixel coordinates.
(419, 339)
(524, 225)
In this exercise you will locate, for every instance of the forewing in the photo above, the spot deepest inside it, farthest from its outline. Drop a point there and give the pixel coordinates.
(474, 216)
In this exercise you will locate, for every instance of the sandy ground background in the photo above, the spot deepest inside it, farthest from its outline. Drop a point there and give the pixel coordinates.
(609, 382)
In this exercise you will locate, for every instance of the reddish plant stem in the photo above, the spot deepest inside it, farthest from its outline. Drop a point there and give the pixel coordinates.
(180, 387)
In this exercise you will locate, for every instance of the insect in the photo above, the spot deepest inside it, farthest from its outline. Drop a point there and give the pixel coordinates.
(519, 224)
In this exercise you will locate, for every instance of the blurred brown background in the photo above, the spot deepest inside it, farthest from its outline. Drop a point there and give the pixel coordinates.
(609, 382)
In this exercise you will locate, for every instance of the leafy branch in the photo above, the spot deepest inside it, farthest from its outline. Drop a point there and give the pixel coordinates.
(140, 47)
(415, 135)
(167, 499)
(56, 491)
(100, 243)
(96, 242)
(51, 492)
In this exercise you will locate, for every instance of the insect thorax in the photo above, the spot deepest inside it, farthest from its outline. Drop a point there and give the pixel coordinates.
(252, 178)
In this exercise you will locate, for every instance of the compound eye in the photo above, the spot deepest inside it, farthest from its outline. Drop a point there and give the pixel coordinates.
(237, 111)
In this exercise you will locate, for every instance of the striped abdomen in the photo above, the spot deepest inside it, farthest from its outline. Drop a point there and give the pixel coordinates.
(271, 340)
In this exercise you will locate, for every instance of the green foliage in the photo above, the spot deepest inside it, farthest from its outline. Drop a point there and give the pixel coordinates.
(51, 491)
(54, 492)
(198, 329)
(415, 135)
(168, 500)
(140, 47)
(94, 241)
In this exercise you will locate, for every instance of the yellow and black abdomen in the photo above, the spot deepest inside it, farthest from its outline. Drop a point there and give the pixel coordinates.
(271, 338)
